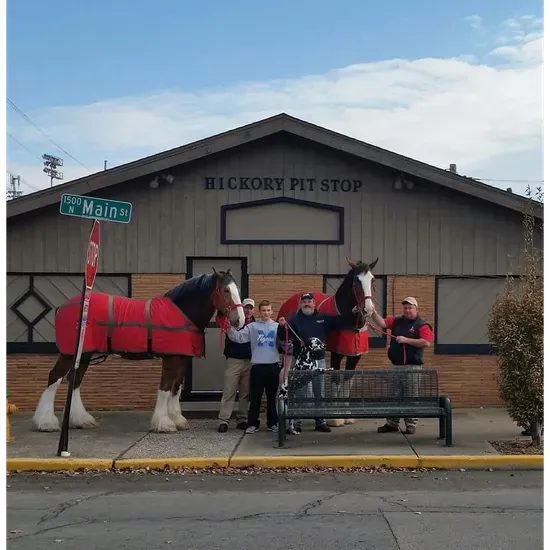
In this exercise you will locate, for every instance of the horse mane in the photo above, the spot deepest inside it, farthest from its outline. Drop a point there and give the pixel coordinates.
(193, 298)
(188, 289)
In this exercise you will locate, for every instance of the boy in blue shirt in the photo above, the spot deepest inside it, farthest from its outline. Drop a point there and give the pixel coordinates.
(264, 372)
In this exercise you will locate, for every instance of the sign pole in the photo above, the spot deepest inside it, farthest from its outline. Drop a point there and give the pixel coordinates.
(92, 256)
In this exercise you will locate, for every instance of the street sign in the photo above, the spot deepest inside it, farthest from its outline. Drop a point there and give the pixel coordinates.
(90, 272)
(95, 208)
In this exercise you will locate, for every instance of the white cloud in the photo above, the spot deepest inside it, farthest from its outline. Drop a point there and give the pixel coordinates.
(437, 110)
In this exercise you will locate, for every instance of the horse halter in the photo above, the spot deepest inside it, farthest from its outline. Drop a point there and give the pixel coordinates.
(227, 305)
(359, 302)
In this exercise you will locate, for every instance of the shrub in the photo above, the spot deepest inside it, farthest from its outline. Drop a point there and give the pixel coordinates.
(516, 329)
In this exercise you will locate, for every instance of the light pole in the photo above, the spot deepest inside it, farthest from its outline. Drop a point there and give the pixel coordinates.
(51, 164)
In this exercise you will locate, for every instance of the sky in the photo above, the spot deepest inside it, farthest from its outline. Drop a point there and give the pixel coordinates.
(440, 82)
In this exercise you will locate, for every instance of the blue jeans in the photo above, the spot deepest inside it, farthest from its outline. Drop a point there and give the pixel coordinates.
(318, 388)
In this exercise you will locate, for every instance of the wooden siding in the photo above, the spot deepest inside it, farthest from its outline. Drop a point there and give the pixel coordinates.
(426, 230)
(463, 307)
(53, 290)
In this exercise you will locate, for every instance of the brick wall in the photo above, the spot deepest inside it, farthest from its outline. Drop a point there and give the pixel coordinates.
(123, 385)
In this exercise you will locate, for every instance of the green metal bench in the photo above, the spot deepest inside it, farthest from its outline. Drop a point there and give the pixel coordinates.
(391, 393)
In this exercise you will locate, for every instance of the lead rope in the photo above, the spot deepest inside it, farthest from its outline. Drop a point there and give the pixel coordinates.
(385, 334)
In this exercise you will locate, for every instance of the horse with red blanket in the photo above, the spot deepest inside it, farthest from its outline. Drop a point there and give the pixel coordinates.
(170, 327)
(353, 296)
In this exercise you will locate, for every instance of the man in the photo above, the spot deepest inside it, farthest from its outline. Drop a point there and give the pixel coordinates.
(307, 323)
(410, 336)
(264, 372)
(237, 375)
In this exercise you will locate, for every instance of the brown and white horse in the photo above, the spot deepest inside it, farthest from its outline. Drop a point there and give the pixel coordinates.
(170, 327)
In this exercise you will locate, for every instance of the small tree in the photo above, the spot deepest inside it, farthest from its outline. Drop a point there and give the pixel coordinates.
(516, 329)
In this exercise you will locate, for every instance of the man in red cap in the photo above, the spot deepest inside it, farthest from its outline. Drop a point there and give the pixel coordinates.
(410, 336)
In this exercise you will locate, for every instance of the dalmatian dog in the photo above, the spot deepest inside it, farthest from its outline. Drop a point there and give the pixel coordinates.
(311, 352)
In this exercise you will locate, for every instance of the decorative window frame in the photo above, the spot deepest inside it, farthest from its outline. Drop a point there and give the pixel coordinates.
(280, 200)
(44, 347)
(460, 349)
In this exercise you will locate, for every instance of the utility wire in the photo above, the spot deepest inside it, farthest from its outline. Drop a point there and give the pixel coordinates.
(32, 123)
(24, 147)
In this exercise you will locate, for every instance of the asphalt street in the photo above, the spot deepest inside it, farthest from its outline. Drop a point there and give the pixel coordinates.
(382, 511)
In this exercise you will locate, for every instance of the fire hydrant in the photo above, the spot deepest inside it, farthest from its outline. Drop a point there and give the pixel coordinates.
(10, 409)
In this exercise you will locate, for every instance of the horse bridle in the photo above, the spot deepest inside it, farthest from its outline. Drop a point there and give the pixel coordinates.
(227, 306)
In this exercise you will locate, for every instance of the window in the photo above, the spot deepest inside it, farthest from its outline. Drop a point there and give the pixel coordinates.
(330, 286)
(32, 300)
(462, 307)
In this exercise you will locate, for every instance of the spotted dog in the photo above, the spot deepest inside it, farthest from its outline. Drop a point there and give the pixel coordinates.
(311, 352)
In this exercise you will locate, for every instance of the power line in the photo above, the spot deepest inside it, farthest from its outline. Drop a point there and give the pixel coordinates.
(24, 147)
(11, 173)
(32, 123)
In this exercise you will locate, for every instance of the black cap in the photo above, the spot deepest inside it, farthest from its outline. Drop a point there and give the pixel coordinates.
(307, 296)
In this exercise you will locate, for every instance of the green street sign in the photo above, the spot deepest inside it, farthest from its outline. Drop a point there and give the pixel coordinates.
(95, 208)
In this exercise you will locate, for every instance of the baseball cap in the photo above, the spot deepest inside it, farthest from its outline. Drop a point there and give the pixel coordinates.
(410, 300)
(249, 302)
(307, 296)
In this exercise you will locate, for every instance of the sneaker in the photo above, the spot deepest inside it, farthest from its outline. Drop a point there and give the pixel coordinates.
(242, 425)
(274, 428)
(323, 428)
(409, 430)
(251, 430)
(223, 427)
(386, 428)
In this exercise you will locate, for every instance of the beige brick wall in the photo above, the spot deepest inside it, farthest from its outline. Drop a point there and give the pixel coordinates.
(125, 385)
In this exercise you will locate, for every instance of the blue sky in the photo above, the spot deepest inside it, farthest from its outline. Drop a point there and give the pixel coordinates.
(65, 54)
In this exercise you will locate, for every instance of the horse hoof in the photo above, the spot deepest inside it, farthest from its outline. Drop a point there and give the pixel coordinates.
(335, 423)
(163, 425)
(349, 421)
(47, 427)
(88, 424)
(182, 425)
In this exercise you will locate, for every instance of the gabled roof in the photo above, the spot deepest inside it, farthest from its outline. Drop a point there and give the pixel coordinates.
(258, 130)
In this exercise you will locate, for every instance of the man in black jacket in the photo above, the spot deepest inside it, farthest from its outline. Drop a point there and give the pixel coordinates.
(307, 323)
(237, 376)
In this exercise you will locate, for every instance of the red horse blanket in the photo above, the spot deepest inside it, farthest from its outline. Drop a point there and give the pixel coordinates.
(345, 342)
(127, 325)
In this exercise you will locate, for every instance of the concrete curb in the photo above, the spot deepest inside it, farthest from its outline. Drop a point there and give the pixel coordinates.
(57, 464)
(451, 462)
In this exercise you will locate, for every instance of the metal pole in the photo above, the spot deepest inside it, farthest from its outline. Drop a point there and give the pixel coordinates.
(64, 436)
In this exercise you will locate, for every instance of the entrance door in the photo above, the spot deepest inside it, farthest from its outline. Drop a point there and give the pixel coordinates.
(205, 379)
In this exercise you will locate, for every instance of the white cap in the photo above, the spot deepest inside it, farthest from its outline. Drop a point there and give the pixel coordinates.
(249, 302)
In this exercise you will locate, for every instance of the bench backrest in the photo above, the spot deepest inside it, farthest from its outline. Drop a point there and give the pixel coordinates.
(391, 386)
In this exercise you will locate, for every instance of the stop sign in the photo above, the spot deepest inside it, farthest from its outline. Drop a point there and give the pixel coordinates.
(92, 256)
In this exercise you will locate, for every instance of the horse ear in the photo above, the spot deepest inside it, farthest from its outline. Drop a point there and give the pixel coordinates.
(351, 264)
(373, 264)
(228, 272)
(215, 272)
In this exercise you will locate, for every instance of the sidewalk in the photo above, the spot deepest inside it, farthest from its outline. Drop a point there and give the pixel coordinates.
(123, 440)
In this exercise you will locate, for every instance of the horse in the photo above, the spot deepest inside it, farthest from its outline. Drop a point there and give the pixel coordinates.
(353, 299)
(170, 327)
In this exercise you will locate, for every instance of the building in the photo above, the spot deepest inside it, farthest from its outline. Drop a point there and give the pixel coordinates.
(281, 202)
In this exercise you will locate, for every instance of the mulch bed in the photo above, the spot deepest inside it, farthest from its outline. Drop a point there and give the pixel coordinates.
(517, 447)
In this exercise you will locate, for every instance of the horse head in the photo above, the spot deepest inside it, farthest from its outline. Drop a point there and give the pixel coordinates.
(360, 283)
(227, 299)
